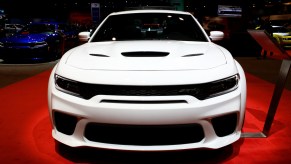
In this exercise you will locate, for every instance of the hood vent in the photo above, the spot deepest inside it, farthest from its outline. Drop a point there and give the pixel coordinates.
(145, 54)
(99, 55)
(190, 55)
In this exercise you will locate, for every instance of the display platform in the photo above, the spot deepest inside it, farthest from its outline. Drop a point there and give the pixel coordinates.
(26, 131)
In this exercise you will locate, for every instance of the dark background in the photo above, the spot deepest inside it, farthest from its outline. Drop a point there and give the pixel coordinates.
(79, 12)
(61, 8)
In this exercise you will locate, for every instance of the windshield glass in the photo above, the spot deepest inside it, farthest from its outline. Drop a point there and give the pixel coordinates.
(150, 26)
(280, 29)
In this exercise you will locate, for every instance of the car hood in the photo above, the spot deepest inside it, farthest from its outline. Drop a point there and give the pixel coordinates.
(27, 38)
(146, 55)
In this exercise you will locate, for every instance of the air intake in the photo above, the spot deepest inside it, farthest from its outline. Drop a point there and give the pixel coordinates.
(145, 54)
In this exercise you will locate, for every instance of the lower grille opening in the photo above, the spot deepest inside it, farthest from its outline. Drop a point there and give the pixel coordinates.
(65, 123)
(144, 135)
(224, 125)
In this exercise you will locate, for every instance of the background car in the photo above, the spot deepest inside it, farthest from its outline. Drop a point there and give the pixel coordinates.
(147, 80)
(12, 28)
(282, 36)
(2, 31)
(70, 33)
(34, 42)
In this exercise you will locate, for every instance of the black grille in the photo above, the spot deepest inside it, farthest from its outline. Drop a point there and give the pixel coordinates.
(144, 135)
(200, 91)
(90, 90)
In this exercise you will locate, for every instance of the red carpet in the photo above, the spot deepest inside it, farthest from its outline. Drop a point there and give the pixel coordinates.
(26, 132)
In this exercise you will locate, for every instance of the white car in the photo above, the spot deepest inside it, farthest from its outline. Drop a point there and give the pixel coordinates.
(130, 88)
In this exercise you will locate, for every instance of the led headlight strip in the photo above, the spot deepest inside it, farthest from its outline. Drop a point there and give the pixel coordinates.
(68, 86)
(219, 87)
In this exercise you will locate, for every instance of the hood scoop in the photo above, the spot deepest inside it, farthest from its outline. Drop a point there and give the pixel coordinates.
(145, 54)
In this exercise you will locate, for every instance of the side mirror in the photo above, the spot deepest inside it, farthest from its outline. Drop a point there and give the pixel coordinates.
(84, 36)
(216, 35)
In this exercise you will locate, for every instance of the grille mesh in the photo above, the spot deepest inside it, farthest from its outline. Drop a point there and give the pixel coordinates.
(144, 135)
(90, 90)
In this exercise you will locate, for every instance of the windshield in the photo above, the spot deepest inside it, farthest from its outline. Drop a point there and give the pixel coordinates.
(280, 29)
(150, 26)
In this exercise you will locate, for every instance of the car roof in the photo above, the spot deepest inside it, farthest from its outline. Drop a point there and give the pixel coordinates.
(277, 26)
(136, 11)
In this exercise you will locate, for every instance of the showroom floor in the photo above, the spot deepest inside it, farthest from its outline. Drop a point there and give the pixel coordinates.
(26, 129)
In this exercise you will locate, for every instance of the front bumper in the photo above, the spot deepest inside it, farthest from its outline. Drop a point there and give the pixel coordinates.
(76, 122)
(46, 52)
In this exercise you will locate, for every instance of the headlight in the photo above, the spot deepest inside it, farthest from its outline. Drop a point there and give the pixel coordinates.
(217, 88)
(68, 86)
